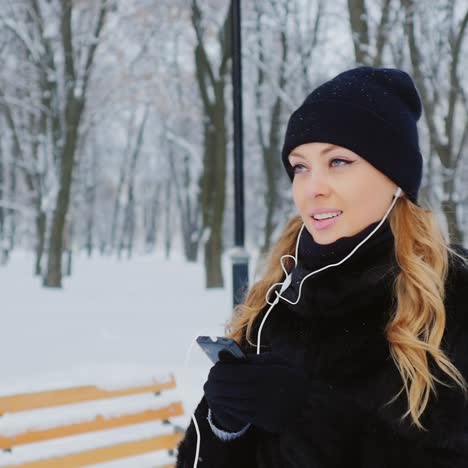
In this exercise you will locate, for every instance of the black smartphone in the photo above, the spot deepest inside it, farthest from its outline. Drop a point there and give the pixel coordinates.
(213, 346)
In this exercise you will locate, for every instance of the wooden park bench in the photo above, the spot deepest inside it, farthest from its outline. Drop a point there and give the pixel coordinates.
(70, 396)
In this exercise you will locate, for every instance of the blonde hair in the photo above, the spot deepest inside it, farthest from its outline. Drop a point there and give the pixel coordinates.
(416, 328)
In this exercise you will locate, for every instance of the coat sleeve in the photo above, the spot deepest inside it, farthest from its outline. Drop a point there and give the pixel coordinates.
(215, 452)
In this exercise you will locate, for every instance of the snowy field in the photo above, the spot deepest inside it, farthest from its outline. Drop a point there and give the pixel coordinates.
(114, 324)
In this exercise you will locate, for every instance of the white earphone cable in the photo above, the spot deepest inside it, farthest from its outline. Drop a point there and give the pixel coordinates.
(194, 419)
(287, 281)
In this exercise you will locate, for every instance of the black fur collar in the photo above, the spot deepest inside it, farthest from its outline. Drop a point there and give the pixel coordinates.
(363, 279)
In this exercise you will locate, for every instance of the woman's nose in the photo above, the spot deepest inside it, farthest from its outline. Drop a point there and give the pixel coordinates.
(317, 184)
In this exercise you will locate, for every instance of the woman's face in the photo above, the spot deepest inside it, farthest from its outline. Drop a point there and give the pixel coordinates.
(334, 178)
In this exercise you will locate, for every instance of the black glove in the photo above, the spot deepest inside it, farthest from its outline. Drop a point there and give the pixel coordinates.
(265, 390)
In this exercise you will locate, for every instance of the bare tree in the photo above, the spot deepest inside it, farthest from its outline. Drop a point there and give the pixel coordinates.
(438, 76)
(59, 40)
(271, 87)
(212, 86)
(23, 118)
(368, 50)
(76, 75)
(128, 229)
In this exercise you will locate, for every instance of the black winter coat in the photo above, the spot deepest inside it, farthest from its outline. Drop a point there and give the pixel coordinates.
(339, 336)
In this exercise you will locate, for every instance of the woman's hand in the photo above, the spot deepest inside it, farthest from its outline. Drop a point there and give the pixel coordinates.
(265, 390)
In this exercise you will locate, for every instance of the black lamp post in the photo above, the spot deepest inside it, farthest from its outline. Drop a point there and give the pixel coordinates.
(239, 256)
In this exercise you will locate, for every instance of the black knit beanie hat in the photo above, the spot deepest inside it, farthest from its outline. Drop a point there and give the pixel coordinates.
(371, 111)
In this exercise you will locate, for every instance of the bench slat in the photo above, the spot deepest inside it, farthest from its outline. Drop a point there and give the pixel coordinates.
(98, 424)
(46, 399)
(105, 454)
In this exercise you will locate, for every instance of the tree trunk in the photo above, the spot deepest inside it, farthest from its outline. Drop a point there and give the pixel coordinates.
(150, 220)
(116, 211)
(449, 207)
(126, 237)
(40, 241)
(168, 219)
(11, 212)
(53, 278)
(128, 231)
(192, 232)
(131, 222)
(91, 203)
(188, 216)
(69, 262)
(213, 192)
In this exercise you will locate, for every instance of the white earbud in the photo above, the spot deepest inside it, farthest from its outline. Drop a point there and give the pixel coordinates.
(398, 193)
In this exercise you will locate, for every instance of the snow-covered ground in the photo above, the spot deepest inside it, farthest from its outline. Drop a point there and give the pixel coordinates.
(114, 324)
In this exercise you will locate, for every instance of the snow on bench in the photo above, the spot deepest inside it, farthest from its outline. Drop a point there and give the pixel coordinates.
(88, 425)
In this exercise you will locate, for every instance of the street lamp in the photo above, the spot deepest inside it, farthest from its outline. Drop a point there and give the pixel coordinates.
(239, 256)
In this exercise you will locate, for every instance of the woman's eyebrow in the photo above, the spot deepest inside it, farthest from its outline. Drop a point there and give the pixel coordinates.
(324, 151)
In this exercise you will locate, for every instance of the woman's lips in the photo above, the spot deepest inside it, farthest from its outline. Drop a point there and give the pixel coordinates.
(324, 223)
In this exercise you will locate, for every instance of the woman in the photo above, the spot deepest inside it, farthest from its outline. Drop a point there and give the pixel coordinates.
(363, 350)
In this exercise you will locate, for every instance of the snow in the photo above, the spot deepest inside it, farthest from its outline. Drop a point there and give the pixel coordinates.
(40, 419)
(115, 324)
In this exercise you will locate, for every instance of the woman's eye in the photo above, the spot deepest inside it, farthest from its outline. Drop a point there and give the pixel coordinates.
(296, 167)
(342, 160)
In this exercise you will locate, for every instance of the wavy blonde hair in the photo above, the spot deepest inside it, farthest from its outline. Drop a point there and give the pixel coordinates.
(417, 325)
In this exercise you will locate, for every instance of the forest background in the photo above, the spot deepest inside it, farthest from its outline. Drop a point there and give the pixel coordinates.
(116, 118)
